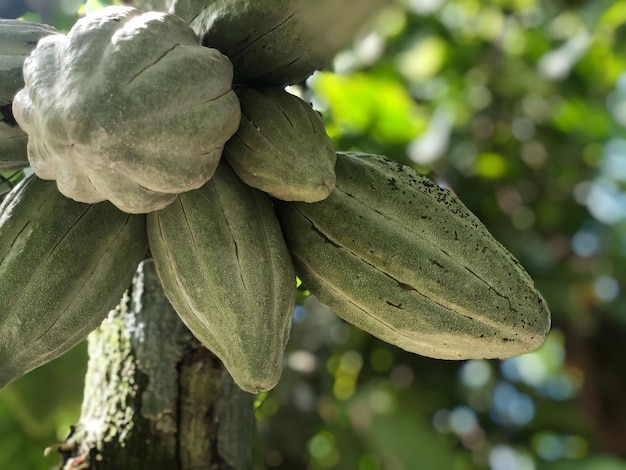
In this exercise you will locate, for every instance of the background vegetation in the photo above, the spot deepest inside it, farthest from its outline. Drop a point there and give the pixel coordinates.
(519, 107)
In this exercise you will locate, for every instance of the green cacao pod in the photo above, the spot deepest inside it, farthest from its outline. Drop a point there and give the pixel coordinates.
(276, 42)
(226, 270)
(403, 259)
(17, 40)
(281, 146)
(63, 266)
(127, 107)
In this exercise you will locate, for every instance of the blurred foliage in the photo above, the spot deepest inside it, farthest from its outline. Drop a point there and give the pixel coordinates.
(37, 411)
(9, 180)
(519, 107)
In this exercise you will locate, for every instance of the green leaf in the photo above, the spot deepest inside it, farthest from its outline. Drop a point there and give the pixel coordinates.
(359, 104)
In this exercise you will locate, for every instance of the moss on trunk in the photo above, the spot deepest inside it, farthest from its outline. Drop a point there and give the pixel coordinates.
(154, 397)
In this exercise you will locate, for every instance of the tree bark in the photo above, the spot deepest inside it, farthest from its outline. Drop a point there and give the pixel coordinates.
(155, 398)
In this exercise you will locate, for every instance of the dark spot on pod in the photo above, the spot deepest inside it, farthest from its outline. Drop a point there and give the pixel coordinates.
(437, 263)
(322, 235)
(404, 286)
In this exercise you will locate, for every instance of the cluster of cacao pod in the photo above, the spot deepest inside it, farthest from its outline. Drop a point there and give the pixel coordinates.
(142, 135)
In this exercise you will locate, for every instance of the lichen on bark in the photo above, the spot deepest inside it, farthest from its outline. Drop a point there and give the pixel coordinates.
(155, 398)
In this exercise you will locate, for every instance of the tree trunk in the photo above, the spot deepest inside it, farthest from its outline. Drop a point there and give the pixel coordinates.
(154, 397)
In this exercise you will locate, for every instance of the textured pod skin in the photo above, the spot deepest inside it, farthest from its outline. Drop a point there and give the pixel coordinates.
(403, 259)
(226, 270)
(281, 146)
(63, 266)
(263, 40)
(17, 40)
(127, 107)
(276, 42)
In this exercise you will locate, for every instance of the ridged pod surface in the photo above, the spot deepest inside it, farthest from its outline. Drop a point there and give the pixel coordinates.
(63, 266)
(226, 270)
(17, 40)
(281, 146)
(127, 107)
(403, 259)
(276, 42)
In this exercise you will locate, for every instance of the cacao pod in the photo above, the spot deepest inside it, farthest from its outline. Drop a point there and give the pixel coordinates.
(63, 266)
(277, 42)
(17, 40)
(226, 270)
(403, 259)
(127, 107)
(281, 146)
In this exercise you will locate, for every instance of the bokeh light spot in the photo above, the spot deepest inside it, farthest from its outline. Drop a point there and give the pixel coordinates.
(574, 447)
(441, 421)
(548, 446)
(322, 448)
(560, 387)
(504, 457)
(381, 402)
(475, 373)
(522, 410)
(302, 361)
(401, 376)
(510, 407)
(299, 314)
(585, 243)
(381, 359)
(606, 288)
(491, 165)
(303, 396)
(369, 462)
(463, 419)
